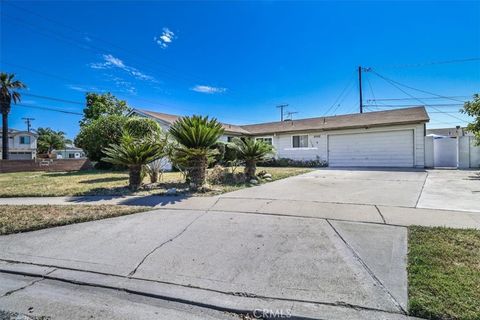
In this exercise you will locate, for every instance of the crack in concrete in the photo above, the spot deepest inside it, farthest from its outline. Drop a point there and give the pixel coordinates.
(381, 215)
(26, 286)
(421, 190)
(164, 243)
(290, 216)
(369, 271)
(247, 295)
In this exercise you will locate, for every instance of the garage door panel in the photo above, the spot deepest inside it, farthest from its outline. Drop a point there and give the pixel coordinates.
(373, 149)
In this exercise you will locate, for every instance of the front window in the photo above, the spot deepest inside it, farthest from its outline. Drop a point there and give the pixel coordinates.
(300, 141)
(265, 140)
(24, 140)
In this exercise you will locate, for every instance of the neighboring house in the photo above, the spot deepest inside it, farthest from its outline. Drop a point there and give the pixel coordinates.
(449, 132)
(69, 152)
(22, 144)
(393, 138)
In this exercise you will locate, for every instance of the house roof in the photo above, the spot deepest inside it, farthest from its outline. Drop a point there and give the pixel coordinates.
(171, 118)
(449, 132)
(15, 132)
(348, 121)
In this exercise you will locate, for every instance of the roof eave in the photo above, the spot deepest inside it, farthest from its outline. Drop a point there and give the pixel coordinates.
(340, 128)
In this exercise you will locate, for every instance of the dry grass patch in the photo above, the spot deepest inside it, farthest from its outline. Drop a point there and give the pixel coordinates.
(97, 182)
(23, 218)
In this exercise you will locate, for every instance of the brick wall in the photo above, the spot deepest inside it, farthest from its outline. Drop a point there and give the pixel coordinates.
(44, 165)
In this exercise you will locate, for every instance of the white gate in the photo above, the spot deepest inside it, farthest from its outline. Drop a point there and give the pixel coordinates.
(445, 152)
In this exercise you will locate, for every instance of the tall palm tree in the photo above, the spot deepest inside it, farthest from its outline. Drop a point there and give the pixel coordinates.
(196, 137)
(134, 153)
(251, 151)
(7, 93)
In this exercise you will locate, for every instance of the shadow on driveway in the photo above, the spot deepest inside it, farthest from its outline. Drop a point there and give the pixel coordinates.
(149, 200)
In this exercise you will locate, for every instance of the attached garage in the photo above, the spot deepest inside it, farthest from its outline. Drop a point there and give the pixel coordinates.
(394, 148)
(20, 155)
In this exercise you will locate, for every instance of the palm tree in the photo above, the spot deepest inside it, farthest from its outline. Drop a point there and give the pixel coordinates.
(196, 137)
(251, 151)
(7, 93)
(133, 153)
(49, 140)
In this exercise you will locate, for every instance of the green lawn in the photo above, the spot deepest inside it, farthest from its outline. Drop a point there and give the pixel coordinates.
(94, 182)
(23, 218)
(444, 273)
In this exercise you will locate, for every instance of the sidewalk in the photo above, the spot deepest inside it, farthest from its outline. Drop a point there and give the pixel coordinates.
(389, 215)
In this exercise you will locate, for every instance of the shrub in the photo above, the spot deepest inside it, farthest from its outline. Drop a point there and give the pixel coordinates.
(195, 137)
(286, 162)
(222, 175)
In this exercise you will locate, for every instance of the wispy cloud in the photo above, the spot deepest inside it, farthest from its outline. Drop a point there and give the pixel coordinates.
(164, 39)
(208, 89)
(81, 88)
(111, 62)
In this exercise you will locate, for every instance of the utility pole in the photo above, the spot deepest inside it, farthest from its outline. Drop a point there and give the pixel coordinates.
(290, 114)
(282, 107)
(360, 87)
(28, 121)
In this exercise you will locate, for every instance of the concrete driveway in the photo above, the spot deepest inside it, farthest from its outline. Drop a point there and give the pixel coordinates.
(389, 187)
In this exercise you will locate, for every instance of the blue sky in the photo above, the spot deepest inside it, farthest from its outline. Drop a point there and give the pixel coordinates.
(238, 60)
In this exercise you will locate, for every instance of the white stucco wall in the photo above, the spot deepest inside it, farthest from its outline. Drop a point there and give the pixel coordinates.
(318, 143)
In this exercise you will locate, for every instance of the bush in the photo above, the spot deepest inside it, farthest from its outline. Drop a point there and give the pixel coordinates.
(139, 127)
(219, 157)
(286, 162)
(99, 134)
(222, 175)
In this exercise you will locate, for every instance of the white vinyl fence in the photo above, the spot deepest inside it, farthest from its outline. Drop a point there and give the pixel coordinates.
(458, 152)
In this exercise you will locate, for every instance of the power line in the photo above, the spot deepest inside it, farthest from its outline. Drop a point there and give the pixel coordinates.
(409, 105)
(371, 90)
(393, 83)
(423, 98)
(53, 99)
(93, 87)
(89, 46)
(349, 83)
(412, 88)
(414, 65)
(134, 53)
(48, 109)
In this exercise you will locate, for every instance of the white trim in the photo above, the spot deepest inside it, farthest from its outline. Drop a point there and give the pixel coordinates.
(302, 148)
(299, 135)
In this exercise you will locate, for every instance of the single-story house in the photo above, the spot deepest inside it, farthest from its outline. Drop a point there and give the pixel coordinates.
(393, 138)
(69, 152)
(22, 145)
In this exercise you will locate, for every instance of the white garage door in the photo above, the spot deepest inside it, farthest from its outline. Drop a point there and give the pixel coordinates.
(373, 149)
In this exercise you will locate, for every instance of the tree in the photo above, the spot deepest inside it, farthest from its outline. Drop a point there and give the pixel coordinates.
(251, 151)
(100, 133)
(134, 153)
(472, 108)
(196, 137)
(140, 127)
(49, 140)
(8, 87)
(100, 105)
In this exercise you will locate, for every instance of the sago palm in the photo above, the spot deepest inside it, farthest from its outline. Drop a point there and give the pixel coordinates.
(133, 153)
(196, 137)
(251, 151)
(8, 85)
